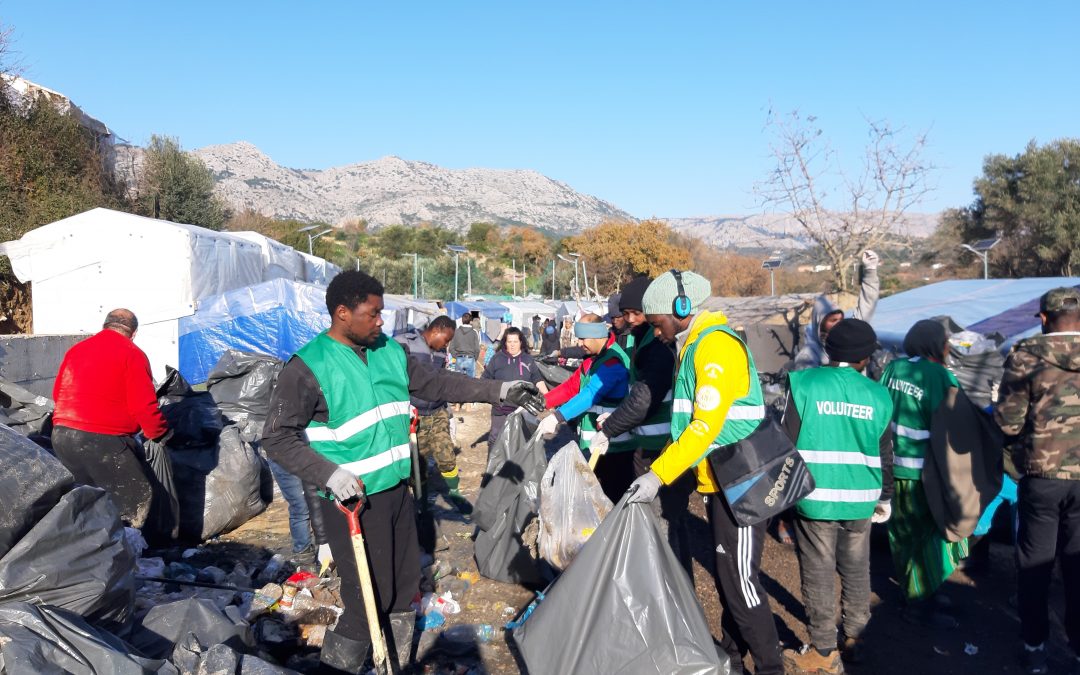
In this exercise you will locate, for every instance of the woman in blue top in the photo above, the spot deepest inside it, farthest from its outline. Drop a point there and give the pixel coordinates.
(511, 362)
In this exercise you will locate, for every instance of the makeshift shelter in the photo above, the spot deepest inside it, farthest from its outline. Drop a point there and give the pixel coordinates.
(85, 265)
(418, 313)
(490, 310)
(574, 309)
(770, 324)
(1003, 306)
(523, 312)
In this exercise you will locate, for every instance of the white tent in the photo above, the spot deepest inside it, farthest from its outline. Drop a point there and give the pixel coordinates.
(83, 266)
(417, 313)
(522, 312)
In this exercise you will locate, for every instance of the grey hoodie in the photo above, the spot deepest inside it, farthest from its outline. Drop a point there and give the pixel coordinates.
(812, 353)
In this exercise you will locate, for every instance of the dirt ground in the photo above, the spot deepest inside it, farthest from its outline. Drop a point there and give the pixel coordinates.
(987, 640)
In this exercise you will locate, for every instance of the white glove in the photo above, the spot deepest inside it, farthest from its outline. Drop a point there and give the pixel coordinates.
(324, 557)
(600, 419)
(644, 489)
(345, 486)
(548, 425)
(870, 260)
(882, 512)
(599, 444)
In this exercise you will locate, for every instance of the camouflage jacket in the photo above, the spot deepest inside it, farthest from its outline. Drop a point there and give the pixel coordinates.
(1040, 404)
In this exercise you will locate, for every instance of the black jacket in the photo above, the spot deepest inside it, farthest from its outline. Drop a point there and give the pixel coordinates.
(417, 347)
(654, 370)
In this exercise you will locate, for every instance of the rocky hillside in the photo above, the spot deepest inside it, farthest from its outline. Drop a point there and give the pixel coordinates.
(392, 190)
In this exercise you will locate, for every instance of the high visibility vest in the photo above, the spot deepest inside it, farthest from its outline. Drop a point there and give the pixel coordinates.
(745, 413)
(844, 416)
(587, 428)
(655, 431)
(917, 387)
(367, 432)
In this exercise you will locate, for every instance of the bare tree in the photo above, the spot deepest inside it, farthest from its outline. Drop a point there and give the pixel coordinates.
(865, 211)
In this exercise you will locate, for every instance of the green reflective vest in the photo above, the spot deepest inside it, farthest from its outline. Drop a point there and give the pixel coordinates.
(587, 427)
(655, 431)
(744, 415)
(367, 432)
(917, 387)
(844, 416)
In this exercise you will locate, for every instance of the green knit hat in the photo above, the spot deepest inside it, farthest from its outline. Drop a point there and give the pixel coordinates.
(663, 290)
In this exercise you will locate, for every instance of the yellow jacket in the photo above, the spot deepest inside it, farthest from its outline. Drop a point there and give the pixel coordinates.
(722, 371)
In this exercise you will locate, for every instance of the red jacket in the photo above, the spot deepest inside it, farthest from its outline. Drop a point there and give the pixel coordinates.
(104, 386)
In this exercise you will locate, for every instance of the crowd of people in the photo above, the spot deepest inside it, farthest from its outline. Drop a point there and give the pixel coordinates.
(663, 392)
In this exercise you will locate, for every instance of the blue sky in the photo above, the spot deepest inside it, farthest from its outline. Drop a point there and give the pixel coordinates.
(658, 107)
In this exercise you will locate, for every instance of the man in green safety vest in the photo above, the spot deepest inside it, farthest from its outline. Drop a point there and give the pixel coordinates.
(716, 401)
(339, 419)
(839, 421)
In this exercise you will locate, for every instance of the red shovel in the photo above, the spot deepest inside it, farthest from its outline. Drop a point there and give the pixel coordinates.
(367, 590)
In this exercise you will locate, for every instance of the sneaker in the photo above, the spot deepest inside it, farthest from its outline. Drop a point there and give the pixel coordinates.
(1035, 661)
(460, 502)
(304, 558)
(809, 661)
(852, 650)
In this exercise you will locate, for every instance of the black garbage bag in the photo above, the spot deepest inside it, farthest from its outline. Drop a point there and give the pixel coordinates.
(75, 558)
(192, 658)
(553, 373)
(624, 606)
(193, 416)
(978, 374)
(163, 522)
(31, 483)
(43, 639)
(508, 504)
(23, 410)
(241, 383)
(221, 486)
(165, 626)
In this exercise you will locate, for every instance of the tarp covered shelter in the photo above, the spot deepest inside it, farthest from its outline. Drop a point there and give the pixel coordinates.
(491, 310)
(1004, 306)
(575, 309)
(418, 313)
(83, 266)
(522, 312)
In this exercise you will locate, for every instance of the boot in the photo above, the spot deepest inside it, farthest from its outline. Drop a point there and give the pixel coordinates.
(343, 656)
(809, 661)
(402, 625)
(453, 481)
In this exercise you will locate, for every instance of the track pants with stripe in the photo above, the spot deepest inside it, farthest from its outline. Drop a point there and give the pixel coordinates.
(747, 620)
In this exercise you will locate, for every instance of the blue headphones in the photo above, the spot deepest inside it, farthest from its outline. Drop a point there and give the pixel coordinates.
(681, 306)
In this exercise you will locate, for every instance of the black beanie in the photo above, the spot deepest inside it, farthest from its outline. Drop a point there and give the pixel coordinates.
(632, 294)
(850, 341)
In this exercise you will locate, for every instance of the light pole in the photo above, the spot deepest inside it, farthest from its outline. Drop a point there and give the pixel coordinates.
(312, 237)
(771, 264)
(457, 250)
(553, 281)
(982, 248)
(415, 265)
(573, 262)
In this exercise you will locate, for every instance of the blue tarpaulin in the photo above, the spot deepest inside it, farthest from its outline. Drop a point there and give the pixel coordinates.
(491, 310)
(1004, 306)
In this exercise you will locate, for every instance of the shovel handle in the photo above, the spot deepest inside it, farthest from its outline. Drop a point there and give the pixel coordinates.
(352, 514)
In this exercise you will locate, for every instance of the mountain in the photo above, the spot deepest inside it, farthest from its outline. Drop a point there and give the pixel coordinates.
(773, 231)
(392, 190)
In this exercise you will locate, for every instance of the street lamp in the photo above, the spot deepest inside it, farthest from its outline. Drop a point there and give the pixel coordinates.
(456, 250)
(312, 237)
(982, 248)
(771, 263)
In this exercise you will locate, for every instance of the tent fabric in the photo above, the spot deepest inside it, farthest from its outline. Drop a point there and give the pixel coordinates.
(983, 305)
(522, 312)
(575, 309)
(491, 310)
(418, 313)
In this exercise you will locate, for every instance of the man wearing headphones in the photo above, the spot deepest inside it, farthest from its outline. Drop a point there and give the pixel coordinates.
(717, 401)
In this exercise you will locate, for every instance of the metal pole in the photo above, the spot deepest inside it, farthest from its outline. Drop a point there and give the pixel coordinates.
(455, 275)
(577, 284)
(415, 266)
(585, 273)
(553, 281)
(310, 245)
(468, 275)
(513, 263)
(423, 290)
(772, 282)
(986, 265)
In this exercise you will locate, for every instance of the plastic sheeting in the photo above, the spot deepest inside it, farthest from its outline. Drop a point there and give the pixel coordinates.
(625, 606)
(572, 506)
(274, 318)
(165, 626)
(521, 313)
(508, 504)
(76, 558)
(491, 310)
(31, 483)
(241, 384)
(22, 410)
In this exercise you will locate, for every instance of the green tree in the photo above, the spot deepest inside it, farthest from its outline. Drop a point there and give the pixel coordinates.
(478, 238)
(175, 185)
(1031, 200)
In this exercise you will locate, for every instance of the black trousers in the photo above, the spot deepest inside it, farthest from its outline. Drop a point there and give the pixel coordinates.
(116, 464)
(388, 522)
(672, 507)
(747, 621)
(1049, 515)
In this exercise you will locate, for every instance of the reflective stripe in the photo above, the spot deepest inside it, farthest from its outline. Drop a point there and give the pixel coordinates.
(358, 423)
(663, 428)
(908, 462)
(839, 457)
(587, 436)
(746, 412)
(908, 432)
(681, 405)
(836, 495)
(379, 461)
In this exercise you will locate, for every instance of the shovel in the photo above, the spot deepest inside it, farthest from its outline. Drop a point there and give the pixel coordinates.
(414, 449)
(367, 591)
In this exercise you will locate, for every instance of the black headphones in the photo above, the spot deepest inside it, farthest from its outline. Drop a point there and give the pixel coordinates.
(681, 306)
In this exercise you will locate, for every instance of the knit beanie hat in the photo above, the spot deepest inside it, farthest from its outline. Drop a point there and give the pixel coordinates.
(613, 307)
(663, 291)
(632, 294)
(850, 341)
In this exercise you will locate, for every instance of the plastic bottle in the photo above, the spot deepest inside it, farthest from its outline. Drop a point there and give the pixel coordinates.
(268, 574)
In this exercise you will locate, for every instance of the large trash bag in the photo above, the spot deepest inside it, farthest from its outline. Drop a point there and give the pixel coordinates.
(193, 416)
(572, 506)
(192, 658)
(508, 504)
(31, 482)
(165, 626)
(220, 487)
(625, 606)
(163, 523)
(75, 558)
(979, 374)
(45, 639)
(241, 383)
(23, 410)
